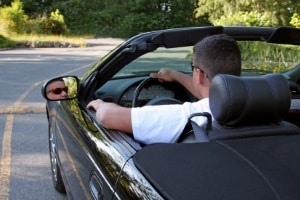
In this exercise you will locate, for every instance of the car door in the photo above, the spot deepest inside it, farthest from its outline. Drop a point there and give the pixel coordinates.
(86, 168)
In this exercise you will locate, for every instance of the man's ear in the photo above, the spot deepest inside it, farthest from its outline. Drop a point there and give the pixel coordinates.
(201, 77)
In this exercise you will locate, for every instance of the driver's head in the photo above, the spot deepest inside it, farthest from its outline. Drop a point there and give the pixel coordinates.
(217, 54)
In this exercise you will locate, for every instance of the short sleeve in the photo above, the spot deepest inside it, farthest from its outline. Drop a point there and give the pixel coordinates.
(163, 123)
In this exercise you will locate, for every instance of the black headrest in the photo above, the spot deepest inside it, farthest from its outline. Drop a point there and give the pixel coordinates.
(249, 100)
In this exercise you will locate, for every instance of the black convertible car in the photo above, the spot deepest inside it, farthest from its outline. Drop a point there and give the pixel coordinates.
(251, 149)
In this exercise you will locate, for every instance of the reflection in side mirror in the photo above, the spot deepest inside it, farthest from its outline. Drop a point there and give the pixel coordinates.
(62, 88)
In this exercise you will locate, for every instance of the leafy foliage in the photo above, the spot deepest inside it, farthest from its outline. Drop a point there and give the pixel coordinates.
(248, 12)
(295, 20)
(276, 58)
(120, 18)
(4, 42)
(13, 19)
(55, 24)
(124, 18)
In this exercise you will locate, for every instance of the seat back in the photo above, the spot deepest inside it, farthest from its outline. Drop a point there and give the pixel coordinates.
(248, 107)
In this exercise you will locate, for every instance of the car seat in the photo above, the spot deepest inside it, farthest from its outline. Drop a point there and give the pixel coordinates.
(248, 106)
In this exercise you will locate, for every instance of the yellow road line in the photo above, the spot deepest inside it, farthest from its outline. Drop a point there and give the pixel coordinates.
(6, 158)
(5, 162)
(23, 109)
(16, 108)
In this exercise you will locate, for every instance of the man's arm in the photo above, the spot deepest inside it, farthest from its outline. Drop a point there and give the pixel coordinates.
(170, 75)
(112, 116)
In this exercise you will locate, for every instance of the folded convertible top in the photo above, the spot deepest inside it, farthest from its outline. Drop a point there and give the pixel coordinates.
(253, 168)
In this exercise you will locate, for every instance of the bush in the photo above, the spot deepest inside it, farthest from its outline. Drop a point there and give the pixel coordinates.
(4, 42)
(54, 25)
(48, 26)
(13, 19)
(270, 58)
(295, 20)
(123, 19)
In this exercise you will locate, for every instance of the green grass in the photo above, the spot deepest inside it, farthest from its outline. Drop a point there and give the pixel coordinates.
(268, 58)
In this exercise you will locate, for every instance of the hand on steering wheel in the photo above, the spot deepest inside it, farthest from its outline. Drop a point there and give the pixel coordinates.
(155, 101)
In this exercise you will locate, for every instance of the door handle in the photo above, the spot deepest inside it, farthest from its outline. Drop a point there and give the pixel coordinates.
(96, 186)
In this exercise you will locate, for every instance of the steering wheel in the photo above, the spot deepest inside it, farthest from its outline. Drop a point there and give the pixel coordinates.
(155, 101)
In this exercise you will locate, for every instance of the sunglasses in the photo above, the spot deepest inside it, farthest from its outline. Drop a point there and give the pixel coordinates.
(59, 90)
(203, 72)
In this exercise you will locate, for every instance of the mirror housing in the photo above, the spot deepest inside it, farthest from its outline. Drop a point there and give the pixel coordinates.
(61, 88)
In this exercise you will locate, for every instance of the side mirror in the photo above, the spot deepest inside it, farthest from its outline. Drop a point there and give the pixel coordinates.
(61, 88)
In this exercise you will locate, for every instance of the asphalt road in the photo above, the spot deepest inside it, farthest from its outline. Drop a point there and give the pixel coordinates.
(24, 158)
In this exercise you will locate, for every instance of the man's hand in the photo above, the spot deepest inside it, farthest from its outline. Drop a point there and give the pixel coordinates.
(165, 75)
(169, 75)
(95, 104)
(112, 116)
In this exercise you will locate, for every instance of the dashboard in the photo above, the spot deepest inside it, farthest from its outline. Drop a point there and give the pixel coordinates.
(122, 91)
(147, 93)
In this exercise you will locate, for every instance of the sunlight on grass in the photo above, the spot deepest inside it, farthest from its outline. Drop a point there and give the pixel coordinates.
(262, 58)
(45, 38)
(75, 40)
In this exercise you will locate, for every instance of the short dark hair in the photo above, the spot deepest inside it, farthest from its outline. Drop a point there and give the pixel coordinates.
(218, 54)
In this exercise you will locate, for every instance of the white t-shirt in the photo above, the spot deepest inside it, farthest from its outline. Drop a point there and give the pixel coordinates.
(165, 123)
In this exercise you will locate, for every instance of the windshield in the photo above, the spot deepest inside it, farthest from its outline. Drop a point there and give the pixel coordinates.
(176, 58)
(257, 58)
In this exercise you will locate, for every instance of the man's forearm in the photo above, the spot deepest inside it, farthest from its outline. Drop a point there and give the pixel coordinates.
(186, 81)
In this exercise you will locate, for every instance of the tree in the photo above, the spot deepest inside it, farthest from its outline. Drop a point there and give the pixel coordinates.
(124, 18)
(120, 18)
(248, 12)
(12, 18)
(146, 15)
